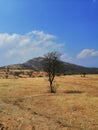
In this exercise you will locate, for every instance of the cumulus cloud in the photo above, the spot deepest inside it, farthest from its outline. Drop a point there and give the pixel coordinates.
(87, 53)
(22, 47)
(41, 35)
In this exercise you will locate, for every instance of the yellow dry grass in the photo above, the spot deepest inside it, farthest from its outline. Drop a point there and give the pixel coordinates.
(26, 104)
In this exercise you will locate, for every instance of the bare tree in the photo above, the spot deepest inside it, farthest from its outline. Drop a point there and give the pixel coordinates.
(52, 65)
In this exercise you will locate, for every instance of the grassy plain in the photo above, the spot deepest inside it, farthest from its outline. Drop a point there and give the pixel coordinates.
(26, 104)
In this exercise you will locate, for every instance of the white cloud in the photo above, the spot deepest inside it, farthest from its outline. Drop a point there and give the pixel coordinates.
(23, 47)
(25, 41)
(87, 53)
(66, 57)
(41, 35)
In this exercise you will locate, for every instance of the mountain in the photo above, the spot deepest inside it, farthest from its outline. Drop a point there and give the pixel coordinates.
(36, 65)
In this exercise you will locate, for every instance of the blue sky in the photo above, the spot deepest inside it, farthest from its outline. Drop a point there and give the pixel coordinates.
(31, 28)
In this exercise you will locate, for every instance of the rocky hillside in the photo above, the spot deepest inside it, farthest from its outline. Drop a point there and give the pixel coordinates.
(36, 65)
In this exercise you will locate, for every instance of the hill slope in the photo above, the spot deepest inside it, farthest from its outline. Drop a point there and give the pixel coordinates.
(36, 65)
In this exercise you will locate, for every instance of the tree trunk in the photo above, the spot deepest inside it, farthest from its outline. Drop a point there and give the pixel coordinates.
(51, 87)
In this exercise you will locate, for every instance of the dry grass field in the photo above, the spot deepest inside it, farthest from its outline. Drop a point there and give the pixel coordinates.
(26, 104)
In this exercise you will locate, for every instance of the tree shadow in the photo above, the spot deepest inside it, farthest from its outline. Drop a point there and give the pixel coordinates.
(73, 92)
